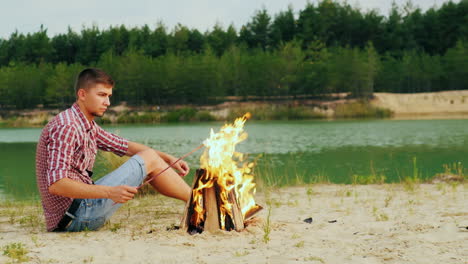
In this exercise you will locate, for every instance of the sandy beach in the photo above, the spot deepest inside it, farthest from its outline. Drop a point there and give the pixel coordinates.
(435, 105)
(389, 223)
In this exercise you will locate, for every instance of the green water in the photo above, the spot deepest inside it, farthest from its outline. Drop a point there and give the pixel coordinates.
(309, 150)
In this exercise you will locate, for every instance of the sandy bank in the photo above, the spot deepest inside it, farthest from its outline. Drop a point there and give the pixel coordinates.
(351, 224)
(448, 104)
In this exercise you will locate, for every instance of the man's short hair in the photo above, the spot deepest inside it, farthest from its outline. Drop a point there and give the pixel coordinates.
(90, 77)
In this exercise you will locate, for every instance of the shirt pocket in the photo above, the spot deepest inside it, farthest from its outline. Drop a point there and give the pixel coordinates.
(90, 151)
(78, 157)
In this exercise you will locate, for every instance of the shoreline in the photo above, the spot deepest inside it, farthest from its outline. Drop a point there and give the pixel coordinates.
(385, 223)
(419, 106)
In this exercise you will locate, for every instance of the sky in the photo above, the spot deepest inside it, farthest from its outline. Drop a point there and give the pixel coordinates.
(26, 16)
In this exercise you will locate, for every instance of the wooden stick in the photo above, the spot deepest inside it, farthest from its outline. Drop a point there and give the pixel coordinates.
(253, 211)
(184, 223)
(170, 165)
(237, 217)
(211, 210)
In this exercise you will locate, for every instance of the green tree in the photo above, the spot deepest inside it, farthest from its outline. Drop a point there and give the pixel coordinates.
(371, 68)
(59, 88)
(290, 61)
(455, 64)
(65, 47)
(232, 70)
(283, 28)
(390, 76)
(195, 41)
(256, 34)
(392, 40)
(315, 70)
(39, 48)
(158, 42)
(89, 51)
(24, 85)
(179, 41)
(115, 38)
(15, 48)
(220, 40)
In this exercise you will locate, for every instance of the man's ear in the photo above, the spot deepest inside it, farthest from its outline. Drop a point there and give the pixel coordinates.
(81, 93)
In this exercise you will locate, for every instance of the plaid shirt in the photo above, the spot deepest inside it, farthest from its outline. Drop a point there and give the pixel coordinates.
(67, 149)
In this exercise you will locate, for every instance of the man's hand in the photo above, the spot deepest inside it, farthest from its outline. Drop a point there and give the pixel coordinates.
(181, 166)
(74, 189)
(122, 193)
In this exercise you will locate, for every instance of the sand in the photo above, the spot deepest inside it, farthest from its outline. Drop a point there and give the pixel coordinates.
(351, 224)
(447, 104)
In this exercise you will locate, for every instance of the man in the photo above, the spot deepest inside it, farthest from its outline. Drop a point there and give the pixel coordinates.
(65, 157)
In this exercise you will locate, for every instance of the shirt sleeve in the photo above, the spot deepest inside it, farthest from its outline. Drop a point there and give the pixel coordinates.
(107, 141)
(60, 150)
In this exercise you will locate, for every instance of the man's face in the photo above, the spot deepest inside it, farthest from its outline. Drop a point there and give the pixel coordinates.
(95, 100)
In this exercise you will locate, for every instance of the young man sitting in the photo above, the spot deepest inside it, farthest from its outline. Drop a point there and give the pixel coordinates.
(65, 156)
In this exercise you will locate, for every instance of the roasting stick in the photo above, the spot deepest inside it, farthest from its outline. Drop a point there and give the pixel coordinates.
(170, 165)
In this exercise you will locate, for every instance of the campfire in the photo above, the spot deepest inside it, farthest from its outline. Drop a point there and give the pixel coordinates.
(223, 189)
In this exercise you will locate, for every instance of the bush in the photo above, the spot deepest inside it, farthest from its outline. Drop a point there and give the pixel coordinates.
(103, 121)
(361, 109)
(183, 114)
(276, 112)
(204, 116)
(133, 118)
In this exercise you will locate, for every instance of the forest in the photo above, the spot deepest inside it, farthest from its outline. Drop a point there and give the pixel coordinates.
(329, 47)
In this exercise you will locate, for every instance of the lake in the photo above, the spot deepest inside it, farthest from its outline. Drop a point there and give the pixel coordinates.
(284, 150)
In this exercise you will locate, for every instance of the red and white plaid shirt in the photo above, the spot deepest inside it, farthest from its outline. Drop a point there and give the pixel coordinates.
(67, 149)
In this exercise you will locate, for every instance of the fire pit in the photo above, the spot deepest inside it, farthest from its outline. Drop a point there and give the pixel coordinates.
(223, 189)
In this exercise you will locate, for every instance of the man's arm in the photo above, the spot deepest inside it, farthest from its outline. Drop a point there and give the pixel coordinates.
(181, 166)
(74, 189)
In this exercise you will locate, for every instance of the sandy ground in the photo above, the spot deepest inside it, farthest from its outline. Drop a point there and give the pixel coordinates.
(448, 104)
(351, 224)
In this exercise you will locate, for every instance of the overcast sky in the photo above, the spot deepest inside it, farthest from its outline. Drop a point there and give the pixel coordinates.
(56, 15)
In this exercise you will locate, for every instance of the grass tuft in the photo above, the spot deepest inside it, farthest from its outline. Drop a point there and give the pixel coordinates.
(17, 252)
(267, 226)
(369, 179)
(410, 183)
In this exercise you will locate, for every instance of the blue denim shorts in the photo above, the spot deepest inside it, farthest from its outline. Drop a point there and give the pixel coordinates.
(93, 213)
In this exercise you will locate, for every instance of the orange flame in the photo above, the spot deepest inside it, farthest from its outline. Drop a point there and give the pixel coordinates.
(227, 167)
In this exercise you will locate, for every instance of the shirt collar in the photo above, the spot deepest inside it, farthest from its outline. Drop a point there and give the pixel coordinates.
(85, 123)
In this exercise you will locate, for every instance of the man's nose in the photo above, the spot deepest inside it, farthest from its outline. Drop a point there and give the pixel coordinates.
(107, 101)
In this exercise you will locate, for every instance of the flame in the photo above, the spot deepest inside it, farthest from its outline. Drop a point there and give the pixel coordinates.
(228, 169)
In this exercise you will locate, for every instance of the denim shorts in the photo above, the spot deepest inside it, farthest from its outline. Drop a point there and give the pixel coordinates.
(93, 213)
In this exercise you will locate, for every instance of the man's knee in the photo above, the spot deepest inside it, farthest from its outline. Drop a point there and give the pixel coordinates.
(152, 159)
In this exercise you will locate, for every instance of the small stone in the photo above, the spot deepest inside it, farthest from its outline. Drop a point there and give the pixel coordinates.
(308, 220)
(172, 227)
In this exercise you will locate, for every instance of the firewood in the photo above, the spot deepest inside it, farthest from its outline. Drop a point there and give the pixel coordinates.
(237, 217)
(253, 211)
(212, 223)
(184, 223)
(211, 202)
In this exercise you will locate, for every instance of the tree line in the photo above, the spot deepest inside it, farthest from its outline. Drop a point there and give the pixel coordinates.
(328, 47)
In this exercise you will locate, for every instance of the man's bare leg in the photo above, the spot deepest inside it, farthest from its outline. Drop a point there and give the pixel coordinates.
(169, 182)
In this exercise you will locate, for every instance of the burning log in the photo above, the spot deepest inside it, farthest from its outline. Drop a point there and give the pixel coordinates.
(211, 218)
